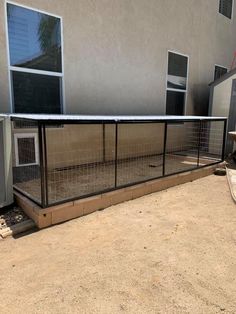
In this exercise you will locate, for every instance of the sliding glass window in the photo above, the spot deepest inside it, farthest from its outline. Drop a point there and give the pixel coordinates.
(35, 60)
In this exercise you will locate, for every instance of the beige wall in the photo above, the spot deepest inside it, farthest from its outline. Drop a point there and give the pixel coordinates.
(72, 145)
(82, 144)
(221, 97)
(115, 52)
(221, 101)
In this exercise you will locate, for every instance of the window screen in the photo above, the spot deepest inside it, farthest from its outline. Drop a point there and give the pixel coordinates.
(34, 39)
(219, 71)
(26, 150)
(226, 7)
(175, 103)
(36, 93)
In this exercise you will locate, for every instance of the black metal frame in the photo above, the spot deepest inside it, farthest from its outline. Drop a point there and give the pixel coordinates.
(43, 153)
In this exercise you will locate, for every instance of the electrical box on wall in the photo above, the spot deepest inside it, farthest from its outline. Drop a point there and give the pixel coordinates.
(6, 184)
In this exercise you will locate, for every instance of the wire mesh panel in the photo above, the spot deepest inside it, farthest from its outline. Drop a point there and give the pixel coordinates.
(26, 161)
(80, 160)
(139, 152)
(54, 162)
(211, 141)
(182, 141)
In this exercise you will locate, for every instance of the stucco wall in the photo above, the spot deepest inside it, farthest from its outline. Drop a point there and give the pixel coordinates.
(221, 97)
(72, 145)
(220, 105)
(115, 52)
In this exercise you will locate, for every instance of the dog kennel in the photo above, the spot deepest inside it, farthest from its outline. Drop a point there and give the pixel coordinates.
(59, 158)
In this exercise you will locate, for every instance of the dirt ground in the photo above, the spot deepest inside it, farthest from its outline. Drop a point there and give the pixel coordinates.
(169, 252)
(79, 181)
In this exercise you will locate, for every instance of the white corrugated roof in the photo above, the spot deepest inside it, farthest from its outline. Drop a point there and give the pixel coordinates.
(57, 117)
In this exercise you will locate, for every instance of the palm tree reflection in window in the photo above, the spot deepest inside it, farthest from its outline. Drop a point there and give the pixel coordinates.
(49, 37)
(34, 39)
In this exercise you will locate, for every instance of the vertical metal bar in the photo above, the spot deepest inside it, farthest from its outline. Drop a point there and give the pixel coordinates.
(41, 158)
(224, 141)
(116, 154)
(45, 165)
(104, 141)
(199, 143)
(164, 151)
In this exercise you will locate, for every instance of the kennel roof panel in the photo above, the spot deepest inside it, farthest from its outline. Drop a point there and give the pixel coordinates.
(108, 118)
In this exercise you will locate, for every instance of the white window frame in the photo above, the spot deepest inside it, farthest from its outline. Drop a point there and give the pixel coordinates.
(220, 66)
(36, 150)
(232, 12)
(173, 89)
(33, 71)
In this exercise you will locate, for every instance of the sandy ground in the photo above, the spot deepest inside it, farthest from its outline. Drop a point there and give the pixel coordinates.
(80, 181)
(169, 252)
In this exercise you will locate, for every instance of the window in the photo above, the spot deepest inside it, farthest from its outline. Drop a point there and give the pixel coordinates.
(177, 76)
(219, 71)
(26, 148)
(35, 60)
(226, 8)
(43, 89)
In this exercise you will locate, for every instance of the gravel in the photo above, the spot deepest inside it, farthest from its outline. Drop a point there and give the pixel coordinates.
(12, 217)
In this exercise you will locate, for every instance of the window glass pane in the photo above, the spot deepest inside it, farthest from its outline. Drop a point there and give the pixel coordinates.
(175, 103)
(219, 71)
(34, 93)
(177, 71)
(26, 150)
(34, 39)
(226, 8)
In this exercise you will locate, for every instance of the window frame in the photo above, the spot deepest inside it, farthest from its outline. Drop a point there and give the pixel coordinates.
(220, 66)
(33, 71)
(232, 11)
(36, 150)
(185, 91)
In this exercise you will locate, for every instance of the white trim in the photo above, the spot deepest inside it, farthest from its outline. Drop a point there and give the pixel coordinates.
(8, 59)
(42, 72)
(232, 15)
(32, 8)
(36, 150)
(221, 66)
(232, 12)
(34, 71)
(63, 104)
(178, 53)
(99, 118)
(173, 89)
(176, 90)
